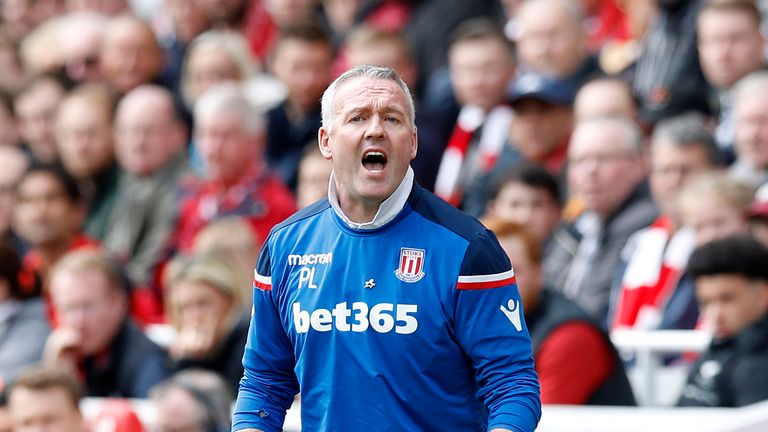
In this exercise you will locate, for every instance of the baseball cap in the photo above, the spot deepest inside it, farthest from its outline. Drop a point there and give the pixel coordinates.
(537, 86)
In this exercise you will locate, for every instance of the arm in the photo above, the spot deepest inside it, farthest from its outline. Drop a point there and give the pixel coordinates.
(269, 383)
(489, 325)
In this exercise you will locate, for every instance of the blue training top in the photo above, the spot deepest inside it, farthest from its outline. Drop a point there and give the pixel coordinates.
(414, 325)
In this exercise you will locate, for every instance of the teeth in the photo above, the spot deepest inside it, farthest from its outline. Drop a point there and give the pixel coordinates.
(374, 153)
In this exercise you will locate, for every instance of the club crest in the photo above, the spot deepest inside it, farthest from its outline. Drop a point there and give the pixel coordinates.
(411, 267)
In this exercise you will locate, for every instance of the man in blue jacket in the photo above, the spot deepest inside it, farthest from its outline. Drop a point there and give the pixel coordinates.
(385, 306)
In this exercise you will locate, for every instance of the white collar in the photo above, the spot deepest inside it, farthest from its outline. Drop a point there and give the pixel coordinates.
(388, 209)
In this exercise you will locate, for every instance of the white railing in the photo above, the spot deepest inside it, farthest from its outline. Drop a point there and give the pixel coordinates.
(655, 384)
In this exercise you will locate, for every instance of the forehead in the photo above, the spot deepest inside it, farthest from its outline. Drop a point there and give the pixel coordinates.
(40, 181)
(711, 285)
(598, 136)
(367, 93)
(74, 284)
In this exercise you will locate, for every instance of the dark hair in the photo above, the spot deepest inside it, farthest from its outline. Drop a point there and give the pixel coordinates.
(530, 175)
(741, 255)
(40, 378)
(306, 31)
(689, 130)
(65, 179)
(22, 283)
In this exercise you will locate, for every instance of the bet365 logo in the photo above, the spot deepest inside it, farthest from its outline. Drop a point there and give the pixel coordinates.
(381, 318)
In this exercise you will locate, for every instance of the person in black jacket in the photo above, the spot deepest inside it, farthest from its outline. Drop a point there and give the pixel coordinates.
(731, 279)
(574, 357)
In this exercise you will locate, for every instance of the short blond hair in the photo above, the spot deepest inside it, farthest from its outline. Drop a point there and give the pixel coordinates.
(91, 259)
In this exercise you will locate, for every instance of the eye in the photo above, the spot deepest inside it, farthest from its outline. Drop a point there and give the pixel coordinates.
(392, 119)
(357, 118)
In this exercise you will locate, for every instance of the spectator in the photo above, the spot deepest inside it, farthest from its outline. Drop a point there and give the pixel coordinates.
(563, 335)
(232, 238)
(35, 106)
(130, 54)
(530, 196)
(538, 135)
(23, 320)
(606, 170)
(94, 334)
(193, 399)
(217, 56)
(553, 41)
(150, 142)
(750, 110)
(732, 289)
(45, 398)
(48, 216)
(653, 292)
(730, 48)
(605, 97)
(85, 142)
(668, 80)
(481, 65)
(314, 177)
(204, 305)
(13, 165)
(230, 137)
(301, 59)
(715, 206)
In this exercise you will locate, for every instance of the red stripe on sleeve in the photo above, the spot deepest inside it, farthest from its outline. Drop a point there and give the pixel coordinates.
(485, 285)
(262, 286)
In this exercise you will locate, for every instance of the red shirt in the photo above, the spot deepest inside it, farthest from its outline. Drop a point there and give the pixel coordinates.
(259, 197)
(572, 363)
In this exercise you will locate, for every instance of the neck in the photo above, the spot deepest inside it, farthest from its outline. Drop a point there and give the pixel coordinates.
(359, 212)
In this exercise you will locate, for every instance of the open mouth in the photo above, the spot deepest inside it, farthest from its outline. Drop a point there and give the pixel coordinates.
(374, 161)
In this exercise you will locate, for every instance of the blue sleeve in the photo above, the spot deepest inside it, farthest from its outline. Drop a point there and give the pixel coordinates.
(269, 382)
(489, 325)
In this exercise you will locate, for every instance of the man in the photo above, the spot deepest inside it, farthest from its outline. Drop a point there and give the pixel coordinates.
(150, 140)
(730, 47)
(553, 41)
(606, 170)
(564, 337)
(341, 299)
(45, 398)
(538, 135)
(302, 60)
(193, 400)
(652, 292)
(732, 289)
(85, 143)
(48, 215)
(481, 65)
(94, 335)
(750, 110)
(35, 106)
(530, 196)
(230, 137)
(130, 54)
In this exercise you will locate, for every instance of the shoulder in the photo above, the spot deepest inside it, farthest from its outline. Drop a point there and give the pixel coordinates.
(439, 212)
(302, 215)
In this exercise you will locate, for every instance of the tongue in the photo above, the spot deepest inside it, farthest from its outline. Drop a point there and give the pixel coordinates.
(373, 166)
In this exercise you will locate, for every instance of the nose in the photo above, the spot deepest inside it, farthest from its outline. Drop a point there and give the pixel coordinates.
(375, 129)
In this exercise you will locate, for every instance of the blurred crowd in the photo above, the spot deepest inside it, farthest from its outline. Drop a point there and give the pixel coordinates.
(147, 148)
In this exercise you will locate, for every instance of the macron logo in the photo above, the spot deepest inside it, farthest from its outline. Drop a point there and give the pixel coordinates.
(512, 311)
(321, 258)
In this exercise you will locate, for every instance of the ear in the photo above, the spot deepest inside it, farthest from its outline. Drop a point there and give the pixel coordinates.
(415, 144)
(323, 142)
